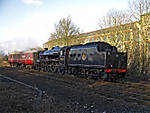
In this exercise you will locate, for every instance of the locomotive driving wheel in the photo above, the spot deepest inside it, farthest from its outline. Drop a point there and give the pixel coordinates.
(61, 70)
(70, 70)
(54, 67)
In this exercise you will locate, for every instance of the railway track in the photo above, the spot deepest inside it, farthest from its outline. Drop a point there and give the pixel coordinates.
(39, 91)
(129, 96)
(127, 92)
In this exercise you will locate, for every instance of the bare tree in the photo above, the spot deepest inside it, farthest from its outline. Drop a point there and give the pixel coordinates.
(65, 29)
(138, 8)
(114, 17)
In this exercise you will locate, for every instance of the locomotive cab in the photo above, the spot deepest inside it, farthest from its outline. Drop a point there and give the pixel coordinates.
(64, 52)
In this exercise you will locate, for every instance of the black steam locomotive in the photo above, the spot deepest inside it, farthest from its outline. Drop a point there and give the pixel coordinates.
(97, 60)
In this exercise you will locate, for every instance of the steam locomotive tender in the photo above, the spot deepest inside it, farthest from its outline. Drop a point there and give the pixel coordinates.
(97, 59)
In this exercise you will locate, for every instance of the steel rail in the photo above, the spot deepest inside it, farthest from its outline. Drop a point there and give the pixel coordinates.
(40, 92)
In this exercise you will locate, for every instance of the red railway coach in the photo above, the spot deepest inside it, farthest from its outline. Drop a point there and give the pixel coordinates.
(14, 58)
(26, 58)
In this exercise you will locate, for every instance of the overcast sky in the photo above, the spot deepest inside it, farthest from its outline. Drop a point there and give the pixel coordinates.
(28, 23)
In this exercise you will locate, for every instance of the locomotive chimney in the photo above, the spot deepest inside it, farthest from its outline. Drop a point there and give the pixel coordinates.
(45, 48)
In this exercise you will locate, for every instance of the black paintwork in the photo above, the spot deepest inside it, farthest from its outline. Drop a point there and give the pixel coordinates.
(93, 55)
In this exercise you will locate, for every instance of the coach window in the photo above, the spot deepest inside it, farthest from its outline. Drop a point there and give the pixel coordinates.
(23, 56)
(14, 56)
(29, 55)
(18, 56)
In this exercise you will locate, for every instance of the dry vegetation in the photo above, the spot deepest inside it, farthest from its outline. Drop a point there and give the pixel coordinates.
(4, 63)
